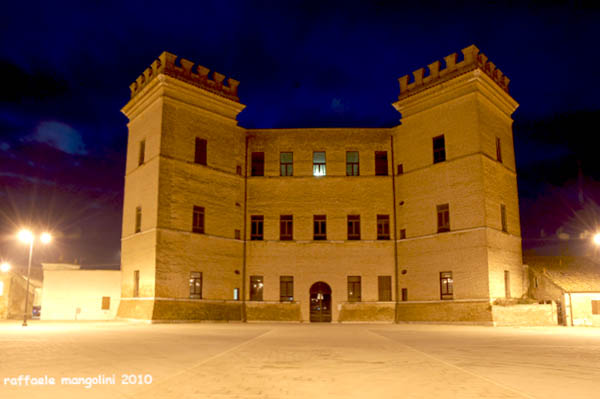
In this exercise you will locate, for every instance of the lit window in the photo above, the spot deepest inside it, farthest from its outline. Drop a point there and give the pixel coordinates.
(256, 288)
(236, 294)
(319, 163)
(446, 285)
(286, 163)
(1, 288)
(196, 285)
(354, 289)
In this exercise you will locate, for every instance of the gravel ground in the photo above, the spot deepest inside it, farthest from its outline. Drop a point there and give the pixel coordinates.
(296, 361)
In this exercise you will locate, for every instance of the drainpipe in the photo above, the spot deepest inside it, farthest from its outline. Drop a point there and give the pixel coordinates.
(396, 283)
(244, 319)
(571, 308)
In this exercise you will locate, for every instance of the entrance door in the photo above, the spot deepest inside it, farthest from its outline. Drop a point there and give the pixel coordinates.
(320, 303)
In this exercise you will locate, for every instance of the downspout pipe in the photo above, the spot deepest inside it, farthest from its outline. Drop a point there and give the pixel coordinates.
(244, 318)
(396, 283)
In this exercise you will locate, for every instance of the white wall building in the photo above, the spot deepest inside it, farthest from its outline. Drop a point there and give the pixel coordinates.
(70, 293)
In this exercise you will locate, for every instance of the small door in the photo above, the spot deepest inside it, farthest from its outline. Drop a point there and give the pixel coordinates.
(320, 303)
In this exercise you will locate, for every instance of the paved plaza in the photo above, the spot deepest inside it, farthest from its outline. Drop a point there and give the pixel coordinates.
(296, 361)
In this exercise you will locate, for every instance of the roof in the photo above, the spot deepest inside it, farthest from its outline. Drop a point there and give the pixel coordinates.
(571, 273)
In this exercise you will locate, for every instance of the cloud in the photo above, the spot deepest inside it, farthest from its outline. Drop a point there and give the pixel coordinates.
(60, 136)
(4, 146)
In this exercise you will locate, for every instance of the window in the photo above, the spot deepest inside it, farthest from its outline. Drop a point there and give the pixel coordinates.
(136, 283)
(286, 227)
(354, 227)
(402, 234)
(237, 234)
(286, 288)
(105, 303)
(256, 227)
(258, 164)
(198, 220)
(439, 149)
(320, 227)
(404, 294)
(384, 285)
(256, 288)
(319, 163)
(196, 285)
(536, 282)
(381, 163)
(354, 289)
(238, 170)
(400, 169)
(1, 288)
(138, 219)
(503, 217)
(498, 150)
(443, 216)
(507, 283)
(352, 166)
(383, 227)
(236, 294)
(142, 153)
(595, 306)
(200, 154)
(446, 285)
(286, 163)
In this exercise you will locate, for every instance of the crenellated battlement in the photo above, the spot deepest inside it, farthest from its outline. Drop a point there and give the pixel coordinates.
(184, 70)
(473, 59)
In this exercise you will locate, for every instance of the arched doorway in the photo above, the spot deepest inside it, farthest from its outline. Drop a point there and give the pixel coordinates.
(320, 303)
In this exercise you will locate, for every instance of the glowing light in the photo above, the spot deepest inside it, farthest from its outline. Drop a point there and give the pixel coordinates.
(25, 236)
(4, 267)
(596, 239)
(46, 238)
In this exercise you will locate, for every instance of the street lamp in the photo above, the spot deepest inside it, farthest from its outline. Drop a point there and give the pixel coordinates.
(27, 237)
(4, 267)
(596, 239)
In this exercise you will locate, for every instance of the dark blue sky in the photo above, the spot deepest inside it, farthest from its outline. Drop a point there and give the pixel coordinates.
(66, 69)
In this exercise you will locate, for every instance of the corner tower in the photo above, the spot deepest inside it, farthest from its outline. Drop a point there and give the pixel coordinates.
(457, 192)
(183, 188)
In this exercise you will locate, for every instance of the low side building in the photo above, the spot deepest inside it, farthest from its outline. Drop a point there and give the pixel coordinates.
(573, 282)
(72, 293)
(13, 286)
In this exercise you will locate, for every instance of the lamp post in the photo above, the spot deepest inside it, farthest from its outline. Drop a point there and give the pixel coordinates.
(27, 237)
(4, 267)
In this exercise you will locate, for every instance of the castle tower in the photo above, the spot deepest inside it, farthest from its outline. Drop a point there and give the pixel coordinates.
(458, 191)
(184, 194)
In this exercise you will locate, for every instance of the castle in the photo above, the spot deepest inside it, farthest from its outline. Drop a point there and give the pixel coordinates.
(418, 222)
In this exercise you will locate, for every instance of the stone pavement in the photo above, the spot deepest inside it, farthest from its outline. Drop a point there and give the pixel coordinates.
(298, 361)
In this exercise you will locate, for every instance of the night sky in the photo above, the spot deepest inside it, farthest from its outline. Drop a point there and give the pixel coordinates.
(66, 70)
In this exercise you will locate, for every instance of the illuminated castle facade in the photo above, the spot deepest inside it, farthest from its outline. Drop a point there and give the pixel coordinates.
(419, 222)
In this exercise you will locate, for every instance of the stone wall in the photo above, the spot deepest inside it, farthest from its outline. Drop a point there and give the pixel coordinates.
(471, 312)
(525, 315)
(273, 311)
(367, 312)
